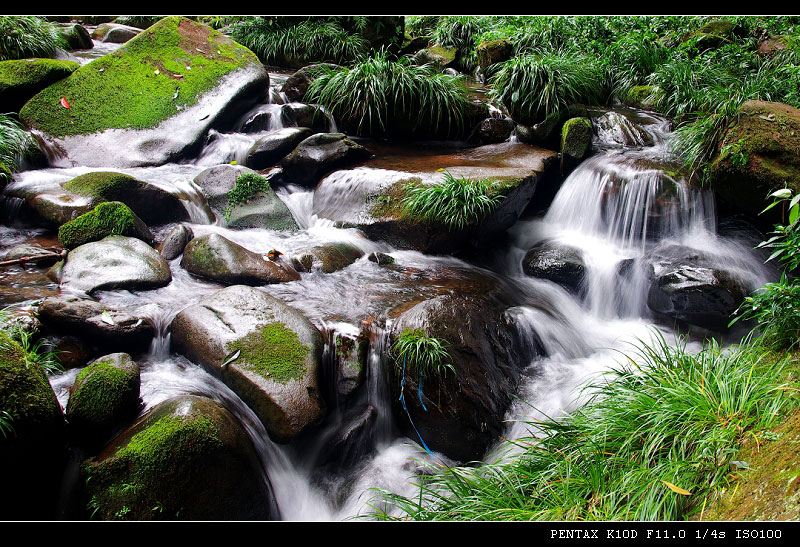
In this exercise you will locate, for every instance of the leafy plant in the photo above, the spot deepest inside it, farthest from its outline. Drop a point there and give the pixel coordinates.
(34, 351)
(456, 202)
(6, 426)
(22, 37)
(247, 185)
(15, 144)
(424, 354)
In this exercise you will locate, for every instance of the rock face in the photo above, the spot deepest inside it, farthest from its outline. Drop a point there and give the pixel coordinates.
(153, 100)
(220, 259)
(757, 155)
(265, 351)
(188, 458)
(97, 323)
(116, 262)
(105, 394)
(34, 451)
(465, 409)
(320, 154)
(557, 263)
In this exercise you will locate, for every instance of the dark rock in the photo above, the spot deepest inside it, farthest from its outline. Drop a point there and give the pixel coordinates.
(320, 154)
(77, 37)
(270, 149)
(265, 351)
(297, 84)
(220, 259)
(492, 52)
(306, 115)
(175, 241)
(327, 258)
(188, 458)
(381, 259)
(558, 263)
(494, 130)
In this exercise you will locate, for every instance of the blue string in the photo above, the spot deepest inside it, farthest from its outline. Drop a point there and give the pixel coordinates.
(403, 402)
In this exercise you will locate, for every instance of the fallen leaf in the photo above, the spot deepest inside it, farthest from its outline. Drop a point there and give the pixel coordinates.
(677, 489)
(231, 358)
(64, 102)
(105, 317)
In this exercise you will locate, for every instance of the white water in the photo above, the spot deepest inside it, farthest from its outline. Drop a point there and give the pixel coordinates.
(613, 208)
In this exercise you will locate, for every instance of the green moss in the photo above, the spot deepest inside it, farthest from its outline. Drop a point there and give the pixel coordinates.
(25, 72)
(99, 392)
(576, 137)
(102, 184)
(162, 71)
(275, 352)
(109, 218)
(247, 185)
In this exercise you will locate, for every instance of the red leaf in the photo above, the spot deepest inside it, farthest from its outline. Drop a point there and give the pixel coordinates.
(64, 102)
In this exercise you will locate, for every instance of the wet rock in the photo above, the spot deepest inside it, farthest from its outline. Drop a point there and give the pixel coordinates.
(576, 142)
(175, 241)
(351, 441)
(297, 84)
(263, 210)
(260, 121)
(614, 127)
(115, 33)
(104, 396)
(214, 82)
(217, 181)
(686, 287)
(440, 57)
(492, 52)
(96, 323)
(381, 259)
(327, 258)
(494, 130)
(76, 36)
(38, 255)
(116, 262)
(348, 355)
(108, 218)
(220, 259)
(188, 458)
(306, 115)
(465, 409)
(558, 263)
(33, 443)
(320, 154)
(264, 350)
(270, 149)
(70, 351)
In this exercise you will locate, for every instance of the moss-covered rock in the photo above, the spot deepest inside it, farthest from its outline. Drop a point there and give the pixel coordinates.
(104, 395)
(23, 78)
(643, 96)
(161, 92)
(492, 52)
(32, 447)
(189, 459)
(437, 55)
(76, 36)
(758, 155)
(265, 351)
(108, 218)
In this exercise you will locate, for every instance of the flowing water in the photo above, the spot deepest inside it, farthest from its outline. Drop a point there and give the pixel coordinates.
(616, 207)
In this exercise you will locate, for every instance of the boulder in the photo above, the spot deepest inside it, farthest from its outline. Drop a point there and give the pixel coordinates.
(188, 458)
(32, 440)
(296, 85)
(645, 97)
(171, 247)
(104, 396)
(327, 258)
(107, 218)
(576, 142)
(614, 127)
(757, 155)
(263, 210)
(494, 130)
(265, 351)
(218, 258)
(273, 147)
(439, 56)
(306, 115)
(492, 52)
(320, 154)
(115, 33)
(116, 262)
(152, 101)
(21, 79)
(76, 36)
(96, 323)
(558, 263)
(216, 182)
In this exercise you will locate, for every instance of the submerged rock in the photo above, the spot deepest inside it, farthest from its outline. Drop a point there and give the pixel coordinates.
(116, 262)
(264, 350)
(220, 259)
(152, 101)
(188, 458)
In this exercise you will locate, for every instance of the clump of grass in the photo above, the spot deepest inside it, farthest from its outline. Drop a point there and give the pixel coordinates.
(15, 144)
(247, 185)
(457, 202)
(654, 442)
(22, 37)
(423, 354)
(33, 350)
(379, 96)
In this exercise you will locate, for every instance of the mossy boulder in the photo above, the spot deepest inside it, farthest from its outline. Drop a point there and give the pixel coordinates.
(320, 154)
(115, 33)
(188, 458)
(108, 218)
(492, 52)
(104, 396)
(33, 447)
(265, 351)
(576, 142)
(217, 181)
(757, 155)
(437, 55)
(116, 262)
(643, 96)
(151, 101)
(76, 36)
(23, 78)
(712, 34)
(327, 258)
(216, 257)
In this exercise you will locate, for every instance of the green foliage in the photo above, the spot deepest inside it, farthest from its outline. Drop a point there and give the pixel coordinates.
(379, 96)
(456, 202)
(108, 218)
(423, 354)
(279, 40)
(654, 442)
(15, 144)
(6, 426)
(33, 352)
(776, 306)
(247, 185)
(533, 87)
(22, 37)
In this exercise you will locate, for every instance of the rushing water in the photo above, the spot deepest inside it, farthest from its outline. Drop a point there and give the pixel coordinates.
(616, 206)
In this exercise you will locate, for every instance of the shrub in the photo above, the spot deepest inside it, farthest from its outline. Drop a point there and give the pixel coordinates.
(22, 37)
(456, 202)
(247, 185)
(379, 96)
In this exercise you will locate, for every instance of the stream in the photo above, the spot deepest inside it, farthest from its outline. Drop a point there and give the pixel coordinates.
(617, 207)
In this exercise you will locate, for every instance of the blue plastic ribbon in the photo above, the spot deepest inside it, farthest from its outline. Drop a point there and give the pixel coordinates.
(403, 402)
